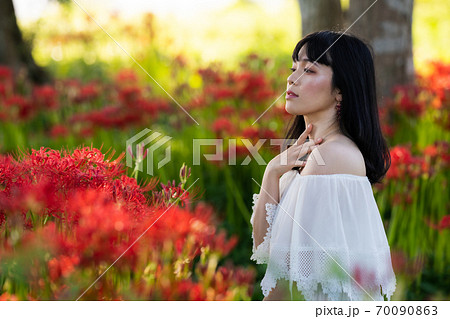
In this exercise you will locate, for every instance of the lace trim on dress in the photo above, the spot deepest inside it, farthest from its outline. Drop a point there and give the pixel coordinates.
(347, 258)
(365, 273)
(262, 252)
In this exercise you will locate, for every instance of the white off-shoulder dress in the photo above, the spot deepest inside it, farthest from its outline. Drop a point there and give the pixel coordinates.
(327, 230)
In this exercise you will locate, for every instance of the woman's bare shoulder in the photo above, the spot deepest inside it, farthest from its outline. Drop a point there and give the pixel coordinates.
(338, 156)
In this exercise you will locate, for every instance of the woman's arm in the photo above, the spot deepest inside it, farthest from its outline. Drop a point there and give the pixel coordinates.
(269, 193)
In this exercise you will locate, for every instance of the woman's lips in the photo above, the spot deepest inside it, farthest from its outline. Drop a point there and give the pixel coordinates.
(290, 95)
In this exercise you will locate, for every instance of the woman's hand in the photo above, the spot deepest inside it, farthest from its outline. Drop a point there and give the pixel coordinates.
(289, 158)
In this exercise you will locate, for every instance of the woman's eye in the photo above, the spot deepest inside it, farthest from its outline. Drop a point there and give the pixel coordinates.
(307, 70)
(292, 69)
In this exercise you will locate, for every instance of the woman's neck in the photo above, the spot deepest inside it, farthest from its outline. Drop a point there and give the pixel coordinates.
(323, 130)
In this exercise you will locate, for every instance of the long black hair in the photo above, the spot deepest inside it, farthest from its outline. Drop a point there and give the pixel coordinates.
(354, 75)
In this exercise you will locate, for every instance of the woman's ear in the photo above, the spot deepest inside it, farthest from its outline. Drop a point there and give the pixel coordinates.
(337, 95)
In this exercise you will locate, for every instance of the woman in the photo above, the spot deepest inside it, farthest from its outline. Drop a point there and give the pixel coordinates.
(315, 221)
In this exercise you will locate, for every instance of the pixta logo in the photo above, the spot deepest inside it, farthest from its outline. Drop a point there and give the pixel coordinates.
(139, 154)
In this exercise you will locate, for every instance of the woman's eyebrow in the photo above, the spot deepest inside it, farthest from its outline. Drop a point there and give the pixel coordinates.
(314, 62)
(307, 60)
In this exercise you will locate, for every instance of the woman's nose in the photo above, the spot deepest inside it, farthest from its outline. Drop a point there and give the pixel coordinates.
(292, 80)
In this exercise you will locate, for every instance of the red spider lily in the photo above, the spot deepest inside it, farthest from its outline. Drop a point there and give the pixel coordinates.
(388, 130)
(18, 184)
(6, 81)
(252, 86)
(3, 90)
(216, 289)
(435, 157)
(437, 81)
(140, 153)
(363, 277)
(136, 111)
(90, 214)
(2, 217)
(197, 292)
(218, 93)
(251, 133)
(443, 224)
(243, 276)
(431, 150)
(184, 174)
(68, 87)
(248, 114)
(8, 297)
(227, 110)
(18, 107)
(384, 113)
(407, 99)
(267, 133)
(95, 238)
(210, 76)
(5, 73)
(46, 177)
(403, 163)
(185, 290)
(87, 93)
(130, 195)
(153, 107)
(181, 227)
(59, 130)
(171, 193)
(222, 244)
(197, 102)
(401, 159)
(399, 260)
(406, 266)
(62, 266)
(45, 97)
(129, 95)
(223, 125)
(126, 76)
(109, 116)
(86, 131)
(443, 153)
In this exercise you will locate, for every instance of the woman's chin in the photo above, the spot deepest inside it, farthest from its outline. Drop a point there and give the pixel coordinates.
(290, 109)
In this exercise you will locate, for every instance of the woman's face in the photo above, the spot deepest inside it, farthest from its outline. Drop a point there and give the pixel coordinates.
(312, 91)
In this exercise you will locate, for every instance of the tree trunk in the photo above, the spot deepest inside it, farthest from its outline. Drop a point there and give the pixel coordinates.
(320, 15)
(14, 51)
(386, 26)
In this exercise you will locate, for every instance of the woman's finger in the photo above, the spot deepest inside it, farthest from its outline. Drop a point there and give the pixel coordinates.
(302, 137)
(300, 163)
